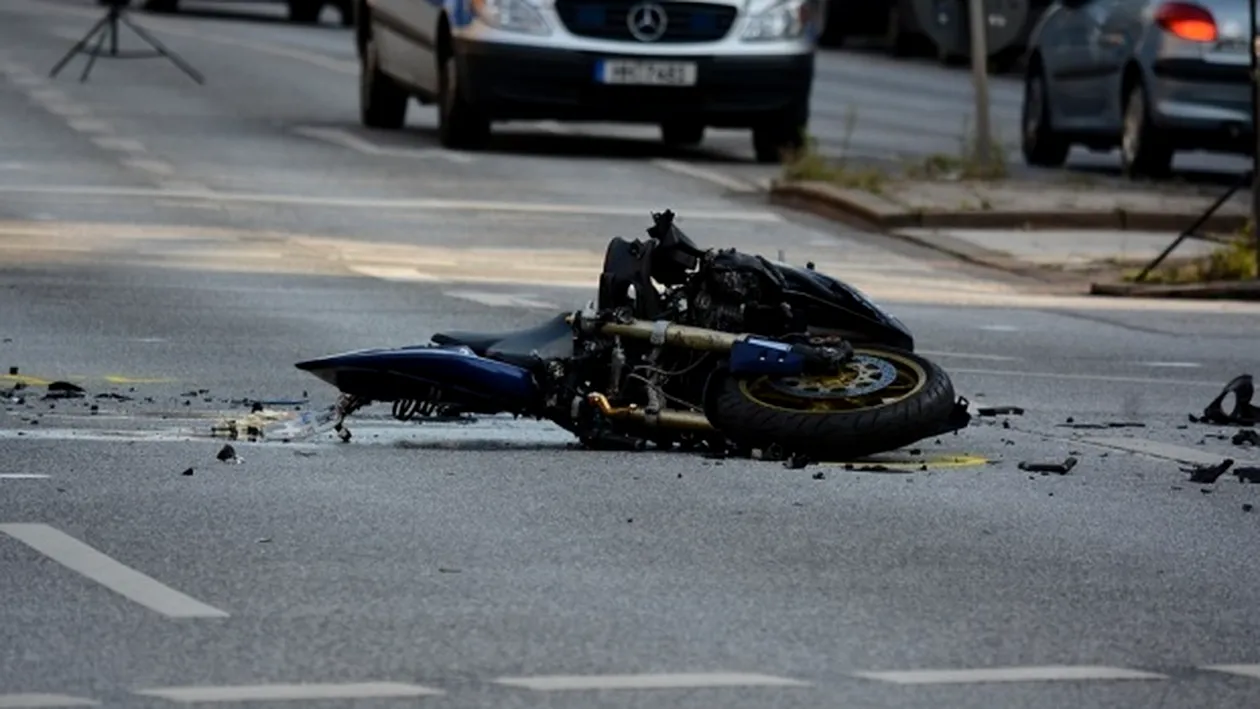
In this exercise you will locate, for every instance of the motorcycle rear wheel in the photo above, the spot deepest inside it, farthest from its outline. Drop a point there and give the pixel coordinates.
(882, 400)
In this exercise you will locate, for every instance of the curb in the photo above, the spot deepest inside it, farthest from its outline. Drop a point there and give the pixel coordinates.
(846, 205)
(1218, 290)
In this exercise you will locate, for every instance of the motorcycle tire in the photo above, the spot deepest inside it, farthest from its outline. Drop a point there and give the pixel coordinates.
(802, 416)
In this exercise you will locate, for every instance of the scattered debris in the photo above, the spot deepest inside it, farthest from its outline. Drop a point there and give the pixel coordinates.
(999, 411)
(1046, 468)
(797, 461)
(13, 371)
(1125, 424)
(114, 396)
(1208, 474)
(1247, 507)
(1248, 475)
(187, 472)
(265, 540)
(227, 454)
(1246, 436)
(64, 390)
(820, 475)
(1244, 414)
(1071, 423)
(445, 570)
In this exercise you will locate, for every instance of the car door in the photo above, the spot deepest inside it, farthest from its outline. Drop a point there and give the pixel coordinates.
(1069, 59)
(1113, 27)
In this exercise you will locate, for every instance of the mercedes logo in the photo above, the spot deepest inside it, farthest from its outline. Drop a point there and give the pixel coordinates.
(646, 21)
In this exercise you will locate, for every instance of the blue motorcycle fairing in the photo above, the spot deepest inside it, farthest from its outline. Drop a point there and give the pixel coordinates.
(755, 355)
(391, 374)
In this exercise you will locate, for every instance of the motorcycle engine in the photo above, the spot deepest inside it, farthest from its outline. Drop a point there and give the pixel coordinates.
(733, 292)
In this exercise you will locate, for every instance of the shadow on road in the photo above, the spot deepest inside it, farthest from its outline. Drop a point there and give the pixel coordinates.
(520, 140)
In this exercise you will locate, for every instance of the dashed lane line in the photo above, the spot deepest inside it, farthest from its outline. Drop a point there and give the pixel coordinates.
(559, 683)
(272, 692)
(1251, 671)
(41, 701)
(122, 579)
(1011, 674)
(22, 476)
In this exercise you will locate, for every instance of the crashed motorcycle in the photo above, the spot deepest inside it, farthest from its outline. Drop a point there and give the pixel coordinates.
(710, 349)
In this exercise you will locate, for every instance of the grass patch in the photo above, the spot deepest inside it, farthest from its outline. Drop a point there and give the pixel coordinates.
(809, 164)
(1233, 261)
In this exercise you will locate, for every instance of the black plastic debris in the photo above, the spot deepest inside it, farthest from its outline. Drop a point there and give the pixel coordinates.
(1246, 436)
(1208, 474)
(187, 472)
(227, 453)
(1248, 475)
(1247, 507)
(64, 390)
(114, 396)
(1242, 388)
(1058, 468)
(1125, 424)
(999, 411)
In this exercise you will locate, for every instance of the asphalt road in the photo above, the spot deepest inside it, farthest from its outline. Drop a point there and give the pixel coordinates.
(182, 245)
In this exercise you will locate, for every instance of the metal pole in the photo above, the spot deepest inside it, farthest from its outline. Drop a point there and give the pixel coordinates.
(1255, 129)
(980, 78)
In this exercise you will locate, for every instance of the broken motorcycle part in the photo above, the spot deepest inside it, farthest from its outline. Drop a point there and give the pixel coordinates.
(1246, 436)
(1208, 474)
(1242, 388)
(1059, 468)
(999, 411)
(1248, 475)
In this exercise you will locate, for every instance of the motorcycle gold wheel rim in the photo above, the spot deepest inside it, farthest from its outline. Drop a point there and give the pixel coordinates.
(911, 378)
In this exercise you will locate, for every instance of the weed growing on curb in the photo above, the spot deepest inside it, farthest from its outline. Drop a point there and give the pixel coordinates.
(1233, 261)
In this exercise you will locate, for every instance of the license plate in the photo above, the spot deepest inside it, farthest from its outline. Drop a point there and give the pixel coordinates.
(616, 71)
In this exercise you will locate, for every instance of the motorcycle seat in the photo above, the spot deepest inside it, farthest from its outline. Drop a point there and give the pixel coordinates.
(552, 338)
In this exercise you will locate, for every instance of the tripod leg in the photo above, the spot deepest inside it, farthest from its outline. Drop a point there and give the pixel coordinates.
(78, 47)
(161, 48)
(96, 50)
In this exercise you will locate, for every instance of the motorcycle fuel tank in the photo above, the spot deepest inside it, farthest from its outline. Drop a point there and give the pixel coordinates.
(849, 308)
(391, 374)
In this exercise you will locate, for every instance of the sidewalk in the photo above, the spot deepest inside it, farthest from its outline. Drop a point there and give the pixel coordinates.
(1064, 229)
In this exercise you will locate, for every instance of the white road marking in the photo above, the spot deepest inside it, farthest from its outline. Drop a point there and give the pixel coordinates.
(22, 476)
(999, 328)
(1085, 377)
(394, 273)
(346, 139)
(269, 692)
(701, 173)
(90, 125)
(377, 203)
(38, 701)
(1157, 449)
(968, 355)
(1009, 674)
(557, 683)
(501, 300)
(1252, 671)
(1171, 365)
(53, 95)
(126, 145)
(66, 109)
(123, 580)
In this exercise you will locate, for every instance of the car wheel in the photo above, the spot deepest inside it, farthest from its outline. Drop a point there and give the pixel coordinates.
(460, 123)
(777, 136)
(382, 102)
(682, 133)
(1144, 149)
(1041, 145)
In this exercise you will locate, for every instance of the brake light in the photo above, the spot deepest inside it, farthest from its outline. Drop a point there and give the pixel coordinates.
(1187, 21)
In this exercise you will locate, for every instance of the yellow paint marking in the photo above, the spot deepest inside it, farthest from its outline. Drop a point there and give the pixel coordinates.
(25, 380)
(909, 463)
(119, 379)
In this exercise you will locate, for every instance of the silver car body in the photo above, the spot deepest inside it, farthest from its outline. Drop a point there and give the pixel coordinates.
(724, 63)
(1091, 53)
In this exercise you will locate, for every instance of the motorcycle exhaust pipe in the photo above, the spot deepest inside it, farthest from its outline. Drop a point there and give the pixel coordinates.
(677, 420)
(667, 333)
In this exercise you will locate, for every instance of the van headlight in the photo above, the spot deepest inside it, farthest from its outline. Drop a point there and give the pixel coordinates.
(511, 15)
(785, 19)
